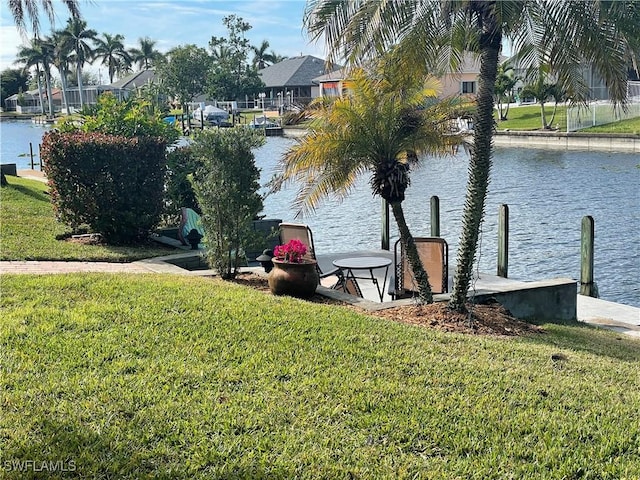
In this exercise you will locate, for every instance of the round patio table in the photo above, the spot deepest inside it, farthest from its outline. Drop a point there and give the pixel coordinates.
(352, 264)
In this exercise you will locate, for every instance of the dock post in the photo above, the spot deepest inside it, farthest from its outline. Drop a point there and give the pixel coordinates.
(503, 240)
(385, 225)
(435, 216)
(31, 153)
(587, 242)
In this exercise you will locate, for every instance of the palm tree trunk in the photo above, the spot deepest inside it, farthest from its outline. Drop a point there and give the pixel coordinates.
(419, 273)
(80, 85)
(543, 116)
(479, 167)
(63, 80)
(47, 81)
(40, 90)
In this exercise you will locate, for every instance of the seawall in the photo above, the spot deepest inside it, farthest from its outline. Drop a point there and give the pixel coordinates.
(609, 142)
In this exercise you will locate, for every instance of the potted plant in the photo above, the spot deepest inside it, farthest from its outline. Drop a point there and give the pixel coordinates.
(293, 274)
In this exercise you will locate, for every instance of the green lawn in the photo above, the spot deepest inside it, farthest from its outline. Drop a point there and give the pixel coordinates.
(626, 126)
(527, 117)
(161, 376)
(28, 230)
(149, 376)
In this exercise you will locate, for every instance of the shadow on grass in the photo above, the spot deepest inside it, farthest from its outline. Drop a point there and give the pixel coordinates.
(40, 195)
(579, 336)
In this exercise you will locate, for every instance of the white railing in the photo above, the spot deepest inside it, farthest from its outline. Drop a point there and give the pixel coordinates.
(603, 112)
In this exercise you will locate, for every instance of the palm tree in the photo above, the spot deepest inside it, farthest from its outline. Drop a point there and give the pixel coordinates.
(80, 36)
(31, 56)
(20, 9)
(111, 50)
(41, 55)
(62, 47)
(505, 82)
(436, 33)
(261, 58)
(146, 56)
(542, 91)
(379, 127)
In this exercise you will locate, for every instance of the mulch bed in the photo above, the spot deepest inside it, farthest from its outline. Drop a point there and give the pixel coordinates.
(490, 319)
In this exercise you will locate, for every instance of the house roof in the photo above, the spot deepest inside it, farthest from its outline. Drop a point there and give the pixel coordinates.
(295, 71)
(134, 80)
(334, 76)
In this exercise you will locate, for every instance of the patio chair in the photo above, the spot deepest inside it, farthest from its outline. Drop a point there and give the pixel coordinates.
(434, 254)
(298, 231)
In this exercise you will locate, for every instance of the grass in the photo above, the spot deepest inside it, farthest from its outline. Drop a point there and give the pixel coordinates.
(28, 230)
(527, 117)
(182, 377)
(625, 126)
(160, 376)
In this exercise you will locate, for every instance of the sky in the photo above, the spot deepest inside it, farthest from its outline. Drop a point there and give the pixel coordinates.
(176, 22)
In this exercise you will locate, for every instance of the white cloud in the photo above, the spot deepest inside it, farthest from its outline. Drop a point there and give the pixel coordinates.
(10, 41)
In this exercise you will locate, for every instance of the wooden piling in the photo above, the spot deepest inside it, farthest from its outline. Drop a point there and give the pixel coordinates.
(587, 243)
(31, 153)
(435, 216)
(503, 241)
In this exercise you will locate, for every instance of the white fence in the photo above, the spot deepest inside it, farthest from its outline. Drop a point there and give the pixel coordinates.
(600, 113)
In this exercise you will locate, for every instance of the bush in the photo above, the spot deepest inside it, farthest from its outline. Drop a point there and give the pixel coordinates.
(227, 185)
(111, 183)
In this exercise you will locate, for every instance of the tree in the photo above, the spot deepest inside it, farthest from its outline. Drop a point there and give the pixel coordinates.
(261, 58)
(110, 48)
(542, 92)
(381, 127)
(12, 80)
(80, 36)
(62, 46)
(435, 34)
(21, 10)
(32, 56)
(232, 77)
(226, 186)
(504, 88)
(146, 56)
(184, 73)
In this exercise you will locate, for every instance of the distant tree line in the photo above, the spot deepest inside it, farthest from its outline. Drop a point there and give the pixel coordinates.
(225, 71)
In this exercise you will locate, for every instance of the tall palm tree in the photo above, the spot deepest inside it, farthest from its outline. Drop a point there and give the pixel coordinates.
(111, 50)
(80, 36)
(31, 57)
(380, 127)
(41, 55)
(62, 47)
(436, 33)
(146, 55)
(23, 9)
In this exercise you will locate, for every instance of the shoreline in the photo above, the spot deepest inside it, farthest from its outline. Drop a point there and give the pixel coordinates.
(610, 142)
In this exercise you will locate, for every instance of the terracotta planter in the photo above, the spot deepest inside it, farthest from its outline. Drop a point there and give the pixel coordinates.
(294, 279)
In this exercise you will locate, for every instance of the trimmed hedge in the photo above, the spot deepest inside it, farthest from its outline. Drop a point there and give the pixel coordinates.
(111, 183)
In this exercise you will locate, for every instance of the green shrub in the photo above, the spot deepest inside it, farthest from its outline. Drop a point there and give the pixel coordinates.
(129, 118)
(226, 185)
(111, 183)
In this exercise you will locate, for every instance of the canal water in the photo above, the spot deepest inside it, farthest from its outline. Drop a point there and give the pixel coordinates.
(548, 193)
